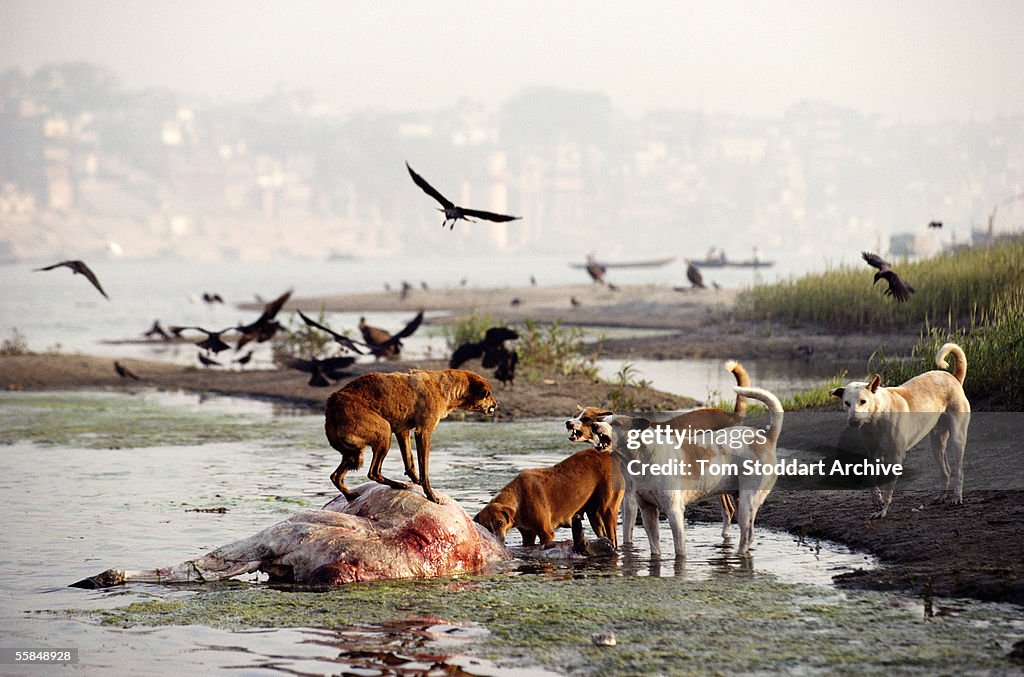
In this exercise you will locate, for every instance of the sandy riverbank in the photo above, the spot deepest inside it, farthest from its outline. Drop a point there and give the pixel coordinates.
(696, 322)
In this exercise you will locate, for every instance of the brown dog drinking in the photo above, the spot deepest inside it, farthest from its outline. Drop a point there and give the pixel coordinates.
(370, 408)
(539, 500)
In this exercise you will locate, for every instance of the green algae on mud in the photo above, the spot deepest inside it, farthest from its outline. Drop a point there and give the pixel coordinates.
(735, 622)
(112, 421)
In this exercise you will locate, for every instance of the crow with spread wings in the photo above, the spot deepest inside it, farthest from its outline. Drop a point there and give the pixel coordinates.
(898, 288)
(391, 344)
(453, 212)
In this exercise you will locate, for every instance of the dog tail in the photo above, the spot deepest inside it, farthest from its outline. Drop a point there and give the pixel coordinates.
(960, 366)
(774, 410)
(742, 380)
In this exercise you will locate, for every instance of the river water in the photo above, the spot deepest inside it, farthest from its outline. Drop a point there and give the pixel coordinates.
(99, 480)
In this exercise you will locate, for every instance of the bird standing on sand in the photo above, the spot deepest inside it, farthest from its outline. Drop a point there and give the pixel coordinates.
(123, 371)
(453, 212)
(595, 269)
(244, 359)
(898, 289)
(78, 268)
(493, 351)
(207, 362)
(694, 276)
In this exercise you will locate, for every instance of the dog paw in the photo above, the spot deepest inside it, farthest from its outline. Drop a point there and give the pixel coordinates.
(877, 515)
(440, 499)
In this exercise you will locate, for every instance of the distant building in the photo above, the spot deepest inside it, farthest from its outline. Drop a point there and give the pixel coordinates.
(912, 244)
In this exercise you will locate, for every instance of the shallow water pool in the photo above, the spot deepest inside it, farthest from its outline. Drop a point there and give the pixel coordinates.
(98, 480)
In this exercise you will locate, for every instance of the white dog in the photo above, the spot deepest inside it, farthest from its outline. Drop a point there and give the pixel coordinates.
(665, 475)
(893, 420)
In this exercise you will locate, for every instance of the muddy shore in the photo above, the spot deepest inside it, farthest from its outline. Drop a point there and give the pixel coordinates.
(973, 550)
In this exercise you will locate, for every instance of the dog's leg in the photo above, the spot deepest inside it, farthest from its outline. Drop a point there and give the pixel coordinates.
(649, 515)
(407, 460)
(529, 538)
(883, 498)
(579, 540)
(728, 511)
(678, 524)
(597, 522)
(746, 512)
(939, 440)
(608, 516)
(380, 447)
(958, 445)
(338, 478)
(629, 508)
(423, 456)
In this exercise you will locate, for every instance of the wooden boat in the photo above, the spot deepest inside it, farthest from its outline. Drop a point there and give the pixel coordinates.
(646, 263)
(720, 263)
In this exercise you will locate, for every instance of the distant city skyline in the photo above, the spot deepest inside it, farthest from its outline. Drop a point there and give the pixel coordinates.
(911, 61)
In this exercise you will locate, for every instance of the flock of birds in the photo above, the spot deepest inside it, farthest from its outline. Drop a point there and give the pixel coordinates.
(493, 350)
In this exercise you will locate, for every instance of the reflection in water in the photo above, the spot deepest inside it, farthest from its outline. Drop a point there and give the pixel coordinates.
(411, 646)
(706, 380)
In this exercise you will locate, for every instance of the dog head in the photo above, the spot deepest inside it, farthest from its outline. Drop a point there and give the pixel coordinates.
(478, 395)
(619, 434)
(860, 400)
(580, 427)
(497, 519)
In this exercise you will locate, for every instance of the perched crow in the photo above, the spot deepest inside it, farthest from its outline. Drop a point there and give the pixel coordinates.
(898, 289)
(694, 276)
(595, 269)
(79, 268)
(244, 359)
(493, 351)
(207, 362)
(453, 212)
(123, 371)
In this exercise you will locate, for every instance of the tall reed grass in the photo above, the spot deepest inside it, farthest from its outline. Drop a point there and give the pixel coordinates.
(956, 289)
(994, 346)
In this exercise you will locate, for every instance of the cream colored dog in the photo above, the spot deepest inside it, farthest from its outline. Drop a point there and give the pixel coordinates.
(664, 476)
(580, 430)
(892, 420)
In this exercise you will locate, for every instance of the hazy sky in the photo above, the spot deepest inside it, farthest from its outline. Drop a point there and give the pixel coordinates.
(904, 59)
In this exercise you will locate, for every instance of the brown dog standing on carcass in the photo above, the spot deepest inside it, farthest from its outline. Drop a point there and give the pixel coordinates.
(580, 430)
(892, 420)
(539, 500)
(370, 408)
